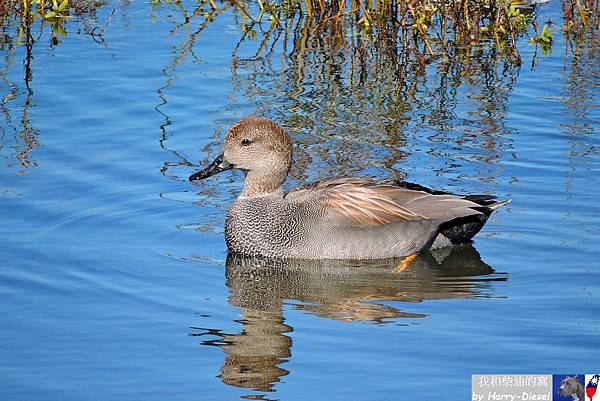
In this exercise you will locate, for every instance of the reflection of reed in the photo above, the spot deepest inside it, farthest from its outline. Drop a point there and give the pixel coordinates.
(185, 49)
(347, 108)
(26, 134)
(580, 88)
(581, 100)
(21, 23)
(345, 291)
(363, 102)
(354, 104)
(352, 96)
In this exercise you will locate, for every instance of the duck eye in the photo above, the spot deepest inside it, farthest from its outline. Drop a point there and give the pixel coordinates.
(246, 142)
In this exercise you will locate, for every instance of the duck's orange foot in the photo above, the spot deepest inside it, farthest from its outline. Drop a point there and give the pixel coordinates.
(406, 262)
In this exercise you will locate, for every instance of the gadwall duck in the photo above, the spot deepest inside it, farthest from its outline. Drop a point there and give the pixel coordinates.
(349, 218)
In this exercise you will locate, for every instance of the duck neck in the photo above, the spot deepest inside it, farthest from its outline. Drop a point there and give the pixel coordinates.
(257, 184)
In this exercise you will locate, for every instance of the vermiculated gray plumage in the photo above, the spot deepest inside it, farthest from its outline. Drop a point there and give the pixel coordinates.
(348, 218)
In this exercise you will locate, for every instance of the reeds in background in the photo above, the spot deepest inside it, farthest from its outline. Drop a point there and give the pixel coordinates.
(383, 47)
(430, 23)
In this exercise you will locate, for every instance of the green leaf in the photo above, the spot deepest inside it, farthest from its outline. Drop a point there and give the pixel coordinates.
(61, 30)
(546, 34)
(50, 14)
(63, 5)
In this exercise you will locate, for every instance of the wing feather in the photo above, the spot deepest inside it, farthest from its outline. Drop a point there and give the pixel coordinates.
(364, 202)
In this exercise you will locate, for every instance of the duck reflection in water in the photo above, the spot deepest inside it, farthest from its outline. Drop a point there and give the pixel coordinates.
(340, 290)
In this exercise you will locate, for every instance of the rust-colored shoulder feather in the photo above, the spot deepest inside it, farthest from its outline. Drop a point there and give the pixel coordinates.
(362, 201)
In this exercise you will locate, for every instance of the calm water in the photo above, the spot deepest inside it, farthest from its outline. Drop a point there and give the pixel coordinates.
(115, 281)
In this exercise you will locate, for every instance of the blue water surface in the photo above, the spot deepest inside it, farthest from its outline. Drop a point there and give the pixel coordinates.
(115, 281)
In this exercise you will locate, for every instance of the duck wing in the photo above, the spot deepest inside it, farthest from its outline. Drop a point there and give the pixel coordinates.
(367, 203)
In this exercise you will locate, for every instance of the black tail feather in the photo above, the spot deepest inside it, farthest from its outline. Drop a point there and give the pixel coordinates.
(462, 229)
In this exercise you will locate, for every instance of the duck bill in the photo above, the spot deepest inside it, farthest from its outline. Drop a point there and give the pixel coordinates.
(216, 167)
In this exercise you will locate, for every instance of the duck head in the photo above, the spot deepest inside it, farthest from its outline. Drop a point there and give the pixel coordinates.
(260, 148)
